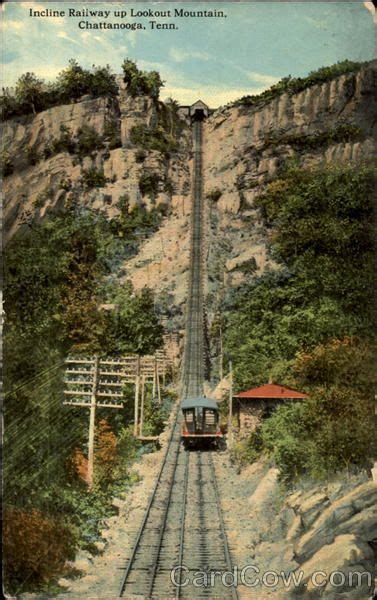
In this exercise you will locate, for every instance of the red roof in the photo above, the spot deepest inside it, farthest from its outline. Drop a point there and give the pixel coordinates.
(271, 390)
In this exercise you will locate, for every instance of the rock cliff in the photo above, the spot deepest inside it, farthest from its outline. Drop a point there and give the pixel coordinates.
(245, 146)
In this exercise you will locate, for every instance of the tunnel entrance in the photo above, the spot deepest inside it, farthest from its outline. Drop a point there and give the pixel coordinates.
(198, 111)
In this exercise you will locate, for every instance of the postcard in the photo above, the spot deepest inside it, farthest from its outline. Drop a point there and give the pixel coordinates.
(189, 213)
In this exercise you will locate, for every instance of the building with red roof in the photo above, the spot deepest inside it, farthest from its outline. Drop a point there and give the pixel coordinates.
(254, 404)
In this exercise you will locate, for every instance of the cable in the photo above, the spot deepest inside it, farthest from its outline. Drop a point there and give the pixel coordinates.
(29, 381)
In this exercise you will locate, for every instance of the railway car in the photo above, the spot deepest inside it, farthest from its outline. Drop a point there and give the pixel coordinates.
(200, 423)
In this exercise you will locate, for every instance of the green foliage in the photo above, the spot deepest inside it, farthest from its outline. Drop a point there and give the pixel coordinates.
(294, 85)
(133, 327)
(8, 105)
(136, 224)
(322, 238)
(55, 275)
(93, 178)
(33, 95)
(140, 156)
(88, 141)
(149, 183)
(298, 323)
(141, 83)
(29, 93)
(73, 81)
(111, 134)
(348, 362)
(331, 431)
(102, 82)
(153, 138)
(170, 119)
(247, 450)
(65, 143)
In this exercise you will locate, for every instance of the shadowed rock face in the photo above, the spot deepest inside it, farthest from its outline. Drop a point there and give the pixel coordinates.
(243, 148)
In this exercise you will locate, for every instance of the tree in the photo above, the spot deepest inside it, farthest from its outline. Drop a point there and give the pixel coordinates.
(73, 81)
(29, 92)
(134, 327)
(102, 82)
(141, 82)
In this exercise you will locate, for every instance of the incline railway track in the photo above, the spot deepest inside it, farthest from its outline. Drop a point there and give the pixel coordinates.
(193, 364)
(183, 523)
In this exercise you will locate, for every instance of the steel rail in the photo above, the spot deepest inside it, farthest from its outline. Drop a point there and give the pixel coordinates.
(183, 522)
(149, 506)
(152, 575)
(161, 541)
(222, 524)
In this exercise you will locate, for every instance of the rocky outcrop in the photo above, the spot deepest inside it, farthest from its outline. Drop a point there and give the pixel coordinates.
(345, 566)
(244, 148)
(356, 511)
(47, 174)
(333, 533)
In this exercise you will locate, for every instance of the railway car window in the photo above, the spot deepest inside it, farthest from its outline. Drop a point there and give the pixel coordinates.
(210, 417)
(189, 417)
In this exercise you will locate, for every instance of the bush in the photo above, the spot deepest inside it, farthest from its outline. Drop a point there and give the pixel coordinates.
(88, 141)
(318, 437)
(8, 105)
(93, 177)
(36, 547)
(321, 224)
(247, 450)
(111, 134)
(140, 156)
(153, 138)
(149, 183)
(65, 143)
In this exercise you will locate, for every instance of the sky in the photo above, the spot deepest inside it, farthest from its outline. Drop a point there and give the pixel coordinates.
(215, 59)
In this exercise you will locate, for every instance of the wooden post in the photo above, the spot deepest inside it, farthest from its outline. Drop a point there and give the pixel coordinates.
(221, 354)
(87, 386)
(142, 405)
(92, 421)
(137, 391)
(230, 416)
(154, 377)
(158, 384)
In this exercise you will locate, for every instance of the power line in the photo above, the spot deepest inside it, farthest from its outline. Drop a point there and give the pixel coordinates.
(29, 381)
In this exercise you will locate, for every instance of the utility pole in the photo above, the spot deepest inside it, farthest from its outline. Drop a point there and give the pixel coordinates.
(87, 385)
(158, 382)
(92, 420)
(154, 377)
(142, 405)
(230, 415)
(137, 391)
(221, 353)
